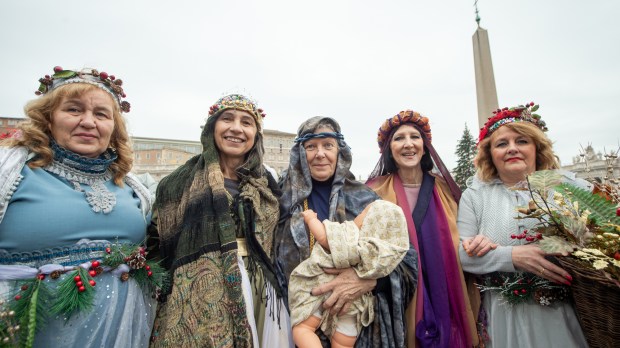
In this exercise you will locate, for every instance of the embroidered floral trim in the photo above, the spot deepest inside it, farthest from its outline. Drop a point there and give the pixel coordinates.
(66, 256)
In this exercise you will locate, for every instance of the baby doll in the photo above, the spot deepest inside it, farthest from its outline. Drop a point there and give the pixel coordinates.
(374, 243)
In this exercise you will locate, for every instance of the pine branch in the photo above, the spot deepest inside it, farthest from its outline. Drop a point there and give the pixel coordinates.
(32, 315)
(601, 210)
(29, 308)
(69, 297)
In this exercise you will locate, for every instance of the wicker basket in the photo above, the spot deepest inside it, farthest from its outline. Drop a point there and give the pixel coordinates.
(597, 301)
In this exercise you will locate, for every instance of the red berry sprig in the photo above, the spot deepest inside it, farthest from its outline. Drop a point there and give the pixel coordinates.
(79, 284)
(93, 271)
(23, 288)
(526, 236)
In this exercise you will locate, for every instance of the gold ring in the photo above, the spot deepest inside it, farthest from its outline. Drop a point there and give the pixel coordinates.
(542, 271)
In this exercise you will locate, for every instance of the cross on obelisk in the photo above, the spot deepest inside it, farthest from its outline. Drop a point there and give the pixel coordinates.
(485, 79)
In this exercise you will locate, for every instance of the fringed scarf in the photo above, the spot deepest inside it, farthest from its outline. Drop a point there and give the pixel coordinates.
(197, 231)
(441, 310)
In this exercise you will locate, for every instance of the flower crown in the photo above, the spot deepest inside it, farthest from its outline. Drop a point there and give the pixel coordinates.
(407, 116)
(521, 113)
(238, 102)
(103, 80)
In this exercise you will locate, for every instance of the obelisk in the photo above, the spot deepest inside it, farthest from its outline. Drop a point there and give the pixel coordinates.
(485, 79)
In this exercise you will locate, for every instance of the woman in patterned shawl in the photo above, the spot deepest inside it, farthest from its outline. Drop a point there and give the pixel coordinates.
(216, 216)
(318, 178)
(440, 314)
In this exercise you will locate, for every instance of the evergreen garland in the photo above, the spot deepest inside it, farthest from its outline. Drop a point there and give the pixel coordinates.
(517, 287)
(28, 306)
(148, 274)
(75, 292)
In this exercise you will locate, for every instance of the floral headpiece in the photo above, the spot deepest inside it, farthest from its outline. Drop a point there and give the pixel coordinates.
(238, 102)
(103, 80)
(407, 116)
(504, 116)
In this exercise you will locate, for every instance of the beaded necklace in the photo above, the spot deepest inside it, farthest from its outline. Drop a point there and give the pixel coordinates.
(80, 170)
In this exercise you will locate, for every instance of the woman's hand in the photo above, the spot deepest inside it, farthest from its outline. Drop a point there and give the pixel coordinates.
(345, 288)
(531, 258)
(478, 246)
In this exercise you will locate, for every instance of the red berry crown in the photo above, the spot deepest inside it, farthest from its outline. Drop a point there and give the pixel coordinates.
(521, 113)
(103, 80)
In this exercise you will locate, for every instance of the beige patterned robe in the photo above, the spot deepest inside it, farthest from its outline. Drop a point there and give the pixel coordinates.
(373, 251)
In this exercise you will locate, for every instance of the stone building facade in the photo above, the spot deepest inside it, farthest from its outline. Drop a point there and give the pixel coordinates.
(159, 157)
(595, 165)
(8, 124)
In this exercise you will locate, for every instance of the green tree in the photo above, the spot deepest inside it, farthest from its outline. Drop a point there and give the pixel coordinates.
(465, 153)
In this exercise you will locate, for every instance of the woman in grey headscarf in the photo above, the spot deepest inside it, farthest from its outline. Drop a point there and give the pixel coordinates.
(319, 178)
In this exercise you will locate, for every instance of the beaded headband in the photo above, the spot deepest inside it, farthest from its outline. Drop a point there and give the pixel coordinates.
(504, 116)
(403, 117)
(103, 80)
(238, 102)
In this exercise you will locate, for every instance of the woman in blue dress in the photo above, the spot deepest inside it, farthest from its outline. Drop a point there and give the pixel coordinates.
(72, 219)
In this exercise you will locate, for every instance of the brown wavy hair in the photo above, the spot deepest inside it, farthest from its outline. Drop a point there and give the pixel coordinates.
(36, 134)
(545, 158)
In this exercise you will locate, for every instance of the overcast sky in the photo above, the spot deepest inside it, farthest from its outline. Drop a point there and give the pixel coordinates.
(357, 61)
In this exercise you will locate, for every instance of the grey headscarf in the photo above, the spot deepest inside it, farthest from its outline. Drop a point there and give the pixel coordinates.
(347, 199)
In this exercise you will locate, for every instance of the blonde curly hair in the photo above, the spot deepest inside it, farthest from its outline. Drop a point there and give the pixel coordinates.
(35, 131)
(545, 158)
